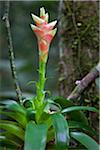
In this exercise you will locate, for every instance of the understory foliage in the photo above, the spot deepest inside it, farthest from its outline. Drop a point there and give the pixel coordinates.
(41, 122)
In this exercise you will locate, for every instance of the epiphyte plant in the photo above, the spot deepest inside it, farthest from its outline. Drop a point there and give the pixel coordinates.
(41, 123)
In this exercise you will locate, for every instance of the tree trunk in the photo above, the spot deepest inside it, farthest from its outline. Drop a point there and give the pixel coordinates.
(78, 46)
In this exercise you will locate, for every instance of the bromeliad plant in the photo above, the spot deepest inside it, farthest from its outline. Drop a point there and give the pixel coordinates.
(41, 123)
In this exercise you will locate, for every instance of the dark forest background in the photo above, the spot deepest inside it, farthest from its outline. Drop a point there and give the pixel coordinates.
(25, 46)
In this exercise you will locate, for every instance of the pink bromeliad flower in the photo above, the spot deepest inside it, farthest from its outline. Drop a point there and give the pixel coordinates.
(44, 32)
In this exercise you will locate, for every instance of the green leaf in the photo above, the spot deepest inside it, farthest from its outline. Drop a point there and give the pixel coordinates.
(31, 114)
(35, 136)
(45, 118)
(3, 139)
(62, 101)
(20, 118)
(12, 137)
(85, 140)
(53, 105)
(5, 143)
(74, 108)
(74, 115)
(13, 106)
(75, 124)
(12, 128)
(28, 103)
(61, 131)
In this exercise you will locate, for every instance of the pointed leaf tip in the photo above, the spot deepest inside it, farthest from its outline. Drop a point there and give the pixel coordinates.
(34, 27)
(53, 32)
(42, 11)
(46, 17)
(51, 25)
(37, 19)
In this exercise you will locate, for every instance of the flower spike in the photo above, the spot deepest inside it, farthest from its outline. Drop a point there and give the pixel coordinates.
(44, 32)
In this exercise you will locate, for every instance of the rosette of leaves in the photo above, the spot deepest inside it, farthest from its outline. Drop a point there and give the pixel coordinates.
(59, 122)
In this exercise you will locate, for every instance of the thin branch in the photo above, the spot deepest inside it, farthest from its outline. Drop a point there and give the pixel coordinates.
(83, 84)
(11, 52)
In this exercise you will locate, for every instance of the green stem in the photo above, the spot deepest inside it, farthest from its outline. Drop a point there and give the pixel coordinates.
(42, 74)
(40, 85)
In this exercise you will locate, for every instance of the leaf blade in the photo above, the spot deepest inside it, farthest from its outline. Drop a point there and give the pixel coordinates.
(76, 108)
(75, 115)
(61, 131)
(5, 140)
(11, 137)
(85, 140)
(35, 136)
(20, 118)
(12, 128)
(13, 106)
(79, 125)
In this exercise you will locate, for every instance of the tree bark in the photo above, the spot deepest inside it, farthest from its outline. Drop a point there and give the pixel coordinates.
(78, 42)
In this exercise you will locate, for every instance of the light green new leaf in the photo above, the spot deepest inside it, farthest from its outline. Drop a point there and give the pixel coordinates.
(85, 140)
(61, 131)
(74, 108)
(35, 136)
